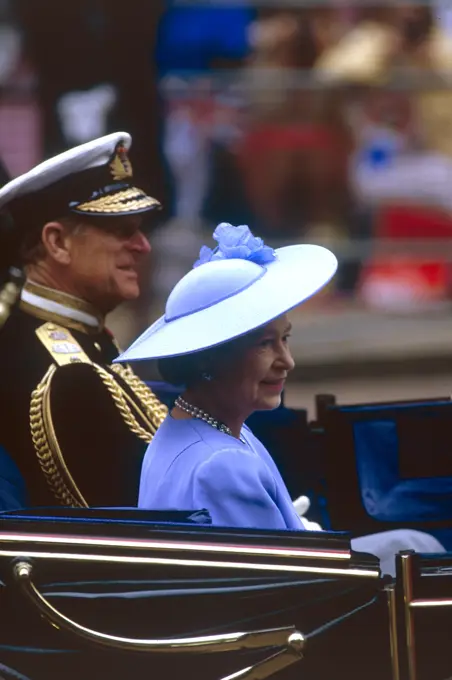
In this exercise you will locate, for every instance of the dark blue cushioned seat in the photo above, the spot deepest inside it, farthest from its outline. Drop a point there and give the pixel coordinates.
(389, 465)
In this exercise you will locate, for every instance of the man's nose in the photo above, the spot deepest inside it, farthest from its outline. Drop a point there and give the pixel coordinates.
(139, 243)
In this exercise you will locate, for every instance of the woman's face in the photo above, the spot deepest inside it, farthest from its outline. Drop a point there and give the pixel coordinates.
(253, 378)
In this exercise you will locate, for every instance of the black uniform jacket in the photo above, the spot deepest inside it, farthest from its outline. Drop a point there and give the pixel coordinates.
(76, 426)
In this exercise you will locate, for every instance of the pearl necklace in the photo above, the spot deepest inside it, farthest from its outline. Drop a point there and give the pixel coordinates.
(196, 412)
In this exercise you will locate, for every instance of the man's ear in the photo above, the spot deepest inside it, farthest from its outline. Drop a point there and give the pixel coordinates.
(55, 238)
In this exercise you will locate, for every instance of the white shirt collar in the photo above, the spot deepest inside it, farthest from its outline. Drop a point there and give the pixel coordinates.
(60, 307)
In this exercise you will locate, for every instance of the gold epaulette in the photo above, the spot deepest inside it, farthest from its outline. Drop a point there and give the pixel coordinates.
(143, 413)
(61, 344)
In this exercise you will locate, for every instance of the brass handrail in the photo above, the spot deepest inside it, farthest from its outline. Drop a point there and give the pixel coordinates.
(287, 637)
(428, 604)
(390, 591)
(272, 664)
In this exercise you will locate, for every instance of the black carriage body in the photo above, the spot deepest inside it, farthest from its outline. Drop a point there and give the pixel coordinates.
(91, 594)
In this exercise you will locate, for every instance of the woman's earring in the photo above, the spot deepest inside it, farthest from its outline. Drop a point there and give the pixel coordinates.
(206, 376)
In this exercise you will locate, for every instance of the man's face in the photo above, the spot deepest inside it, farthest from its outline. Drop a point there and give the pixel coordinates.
(105, 259)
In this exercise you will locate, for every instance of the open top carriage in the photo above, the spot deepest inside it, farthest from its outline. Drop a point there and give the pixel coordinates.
(125, 590)
(121, 593)
(114, 593)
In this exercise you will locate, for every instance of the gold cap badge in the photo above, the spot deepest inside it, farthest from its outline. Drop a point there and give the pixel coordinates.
(120, 166)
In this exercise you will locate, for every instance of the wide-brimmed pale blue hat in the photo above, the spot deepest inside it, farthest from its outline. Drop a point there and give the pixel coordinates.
(232, 290)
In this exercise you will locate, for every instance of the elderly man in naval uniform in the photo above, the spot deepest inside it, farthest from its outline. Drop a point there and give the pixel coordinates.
(74, 428)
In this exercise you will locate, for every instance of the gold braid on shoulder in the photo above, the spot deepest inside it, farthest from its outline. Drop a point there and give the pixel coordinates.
(46, 445)
(155, 410)
(150, 411)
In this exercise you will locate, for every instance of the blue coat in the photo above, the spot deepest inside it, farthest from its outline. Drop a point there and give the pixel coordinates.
(190, 465)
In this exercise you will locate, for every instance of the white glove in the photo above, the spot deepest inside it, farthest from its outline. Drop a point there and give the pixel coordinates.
(301, 506)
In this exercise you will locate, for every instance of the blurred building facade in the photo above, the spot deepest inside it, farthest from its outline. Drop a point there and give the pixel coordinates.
(325, 122)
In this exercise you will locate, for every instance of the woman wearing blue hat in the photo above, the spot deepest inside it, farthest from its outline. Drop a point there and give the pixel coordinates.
(224, 336)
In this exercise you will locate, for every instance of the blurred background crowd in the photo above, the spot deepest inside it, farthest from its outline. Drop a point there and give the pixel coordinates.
(323, 121)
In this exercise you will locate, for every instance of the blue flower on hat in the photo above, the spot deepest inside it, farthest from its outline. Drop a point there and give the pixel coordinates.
(236, 243)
